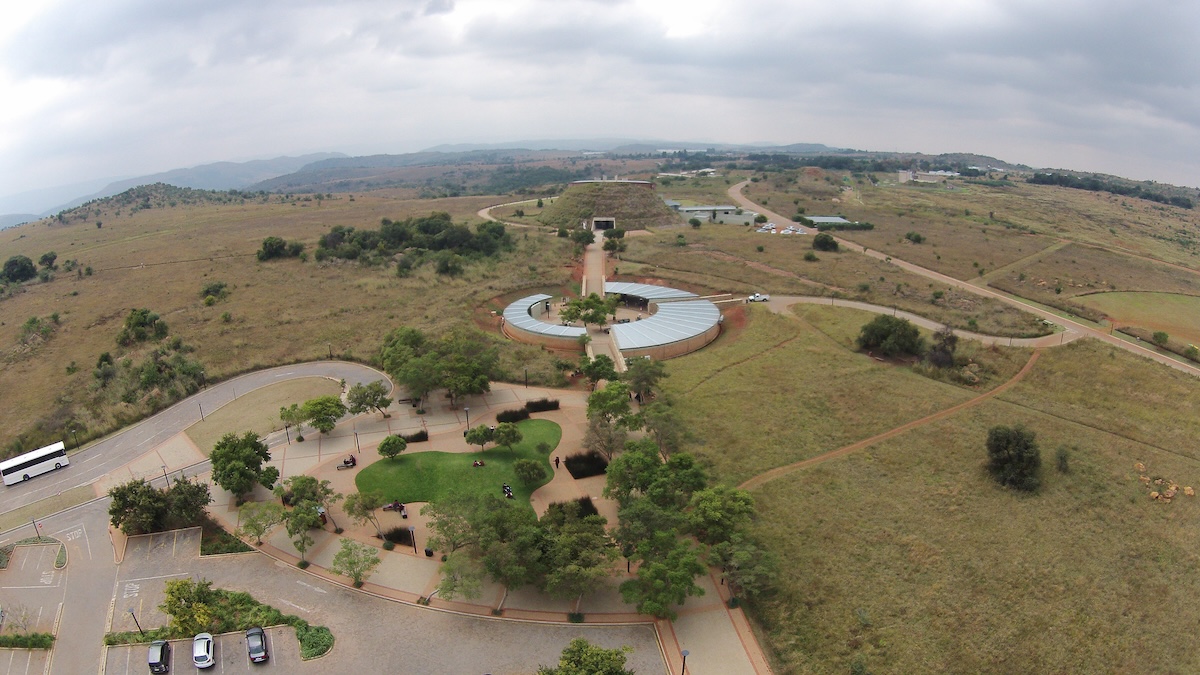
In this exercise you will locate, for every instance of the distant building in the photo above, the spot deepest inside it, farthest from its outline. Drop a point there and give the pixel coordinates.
(833, 220)
(925, 176)
(724, 213)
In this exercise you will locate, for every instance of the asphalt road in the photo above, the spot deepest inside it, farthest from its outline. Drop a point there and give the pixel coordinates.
(128, 444)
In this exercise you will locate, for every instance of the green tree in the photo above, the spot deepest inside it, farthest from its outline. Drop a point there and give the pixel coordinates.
(750, 569)
(299, 520)
(643, 376)
(715, 513)
(507, 434)
(17, 269)
(392, 446)
(354, 560)
(590, 310)
(462, 576)
(583, 237)
(676, 481)
(323, 412)
(663, 424)
(583, 658)
(272, 247)
(529, 470)
(944, 344)
(468, 362)
(370, 396)
(190, 605)
(361, 507)
(760, 219)
(480, 435)
(579, 551)
(137, 507)
(1160, 338)
(1014, 458)
(141, 325)
(420, 375)
(239, 462)
(604, 436)
(633, 472)
(451, 521)
(599, 368)
(639, 521)
(257, 518)
(186, 502)
(664, 582)
(293, 416)
(694, 222)
(510, 544)
(611, 402)
(825, 242)
(47, 259)
(892, 336)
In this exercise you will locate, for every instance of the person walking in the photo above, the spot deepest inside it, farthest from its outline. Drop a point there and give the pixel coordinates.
(555, 462)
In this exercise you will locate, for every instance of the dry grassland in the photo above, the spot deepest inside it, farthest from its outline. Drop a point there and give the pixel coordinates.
(729, 253)
(1080, 270)
(1178, 315)
(278, 312)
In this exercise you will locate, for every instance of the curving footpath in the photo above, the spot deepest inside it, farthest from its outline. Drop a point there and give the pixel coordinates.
(735, 193)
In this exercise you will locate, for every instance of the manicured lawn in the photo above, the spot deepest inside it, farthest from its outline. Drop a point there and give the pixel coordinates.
(430, 476)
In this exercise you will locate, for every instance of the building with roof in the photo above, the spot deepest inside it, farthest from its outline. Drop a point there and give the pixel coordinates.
(522, 323)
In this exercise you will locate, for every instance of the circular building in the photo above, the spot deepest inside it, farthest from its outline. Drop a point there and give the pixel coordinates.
(521, 324)
(683, 322)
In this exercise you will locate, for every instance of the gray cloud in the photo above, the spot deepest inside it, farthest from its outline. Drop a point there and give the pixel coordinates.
(138, 86)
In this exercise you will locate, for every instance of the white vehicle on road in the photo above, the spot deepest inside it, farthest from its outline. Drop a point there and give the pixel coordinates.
(31, 464)
(758, 297)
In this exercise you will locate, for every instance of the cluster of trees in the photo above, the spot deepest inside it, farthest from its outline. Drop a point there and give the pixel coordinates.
(415, 237)
(307, 498)
(1097, 184)
(166, 373)
(141, 325)
(275, 247)
(240, 462)
(593, 309)
(461, 362)
(138, 507)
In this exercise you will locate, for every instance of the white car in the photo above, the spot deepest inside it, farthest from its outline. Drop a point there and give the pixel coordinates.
(758, 297)
(202, 650)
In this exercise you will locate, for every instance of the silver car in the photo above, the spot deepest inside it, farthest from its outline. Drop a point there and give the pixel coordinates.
(202, 650)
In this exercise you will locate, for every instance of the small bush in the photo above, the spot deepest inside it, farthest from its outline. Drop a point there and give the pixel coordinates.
(1062, 459)
(575, 617)
(416, 437)
(398, 535)
(314, 641)
(586, 507)
(541, 405)
(515, 415)
(583, 466)
(389, 545)
(809, 256)
(915, 237)
(825, 242)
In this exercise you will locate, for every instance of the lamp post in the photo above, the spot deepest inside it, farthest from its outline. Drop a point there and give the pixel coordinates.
(165, 478)
(468, 412)
(412, 534)
(135, 622)
(201, 411)
(76, 436)
(684, 654)
(356, 447)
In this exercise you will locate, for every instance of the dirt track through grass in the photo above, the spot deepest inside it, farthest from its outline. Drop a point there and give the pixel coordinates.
(782, 470)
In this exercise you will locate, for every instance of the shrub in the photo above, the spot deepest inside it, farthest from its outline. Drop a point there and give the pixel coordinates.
(416, 437)
(515, 415)
(398, 536)
(825, 242)
(586, 507)
(892, 336)
(389, 545)
(27, 641)
(1013, 457)
(314, 641)
(809, 256)
(541, 404)
(1062, 459)
(583, 466)
(915, 237)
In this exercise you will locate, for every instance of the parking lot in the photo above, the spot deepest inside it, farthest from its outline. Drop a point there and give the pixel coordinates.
(229, 652)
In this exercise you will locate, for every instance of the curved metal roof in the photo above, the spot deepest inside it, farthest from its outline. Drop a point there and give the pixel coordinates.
(517, 314)
(647, 291)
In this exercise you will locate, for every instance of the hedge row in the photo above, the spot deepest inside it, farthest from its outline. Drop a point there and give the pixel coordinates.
(415, 437)
(825, 227)
(27, 641)
(514, 415)
(532, 406)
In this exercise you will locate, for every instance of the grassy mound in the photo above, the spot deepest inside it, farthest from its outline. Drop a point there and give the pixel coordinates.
(634, 206)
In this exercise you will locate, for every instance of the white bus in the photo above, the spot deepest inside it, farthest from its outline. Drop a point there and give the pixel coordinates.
(31, 464)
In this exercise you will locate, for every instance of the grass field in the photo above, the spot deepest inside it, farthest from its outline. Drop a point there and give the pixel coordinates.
(1178, 315)
(257, 411)
(276, 312)
(430, 476)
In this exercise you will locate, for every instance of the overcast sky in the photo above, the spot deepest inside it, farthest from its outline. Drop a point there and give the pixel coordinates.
(128, 87)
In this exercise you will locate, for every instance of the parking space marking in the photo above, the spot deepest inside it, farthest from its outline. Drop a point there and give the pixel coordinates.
(292, 604)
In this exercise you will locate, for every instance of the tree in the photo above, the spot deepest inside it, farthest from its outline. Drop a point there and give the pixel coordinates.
(510, 544)
(892, 336)
(272, 247)
(604, 436)
(643, 376)
(694, 222)
(238, 463)
(676, 481)
(508, 435)
(392, 446)
(611, 402)
(186, 501)
(665, 582)
(599, 368)
(639, 521)
(529, 470)
(579, 552)
(583, 658)
(1160, 338)
(47, 259)
(354, 560)
(760, 219)
(825, 242)
(17, 269)
(1014, 458)
(633, 472)
(451, 521)
(361, 507)
(462, 576)
(293, 416)
(302, 518)
(137, 507)
(257, 518)
(944, 344)
(593, 309)
(189, 604)
(480, 436)
(370, 396)
(750, 570)
(468, 363)
(324, 412)
(715, 513)
(419, 375)
(583, 237)
(141, 325)
(664, 425)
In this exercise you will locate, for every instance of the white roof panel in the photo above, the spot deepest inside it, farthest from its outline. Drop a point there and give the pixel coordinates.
(517, 314)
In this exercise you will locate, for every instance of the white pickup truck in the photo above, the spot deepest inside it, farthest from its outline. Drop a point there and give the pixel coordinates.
(758, 297)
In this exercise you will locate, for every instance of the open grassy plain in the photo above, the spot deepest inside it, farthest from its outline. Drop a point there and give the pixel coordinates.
(905, 557)
(729, 254)
(1178, 315)
(276, 312)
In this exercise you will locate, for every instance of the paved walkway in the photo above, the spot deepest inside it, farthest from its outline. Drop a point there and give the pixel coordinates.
(719, 639)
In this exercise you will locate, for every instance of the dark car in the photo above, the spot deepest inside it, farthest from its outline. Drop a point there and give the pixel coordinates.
(160, 656)
(256, 645)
